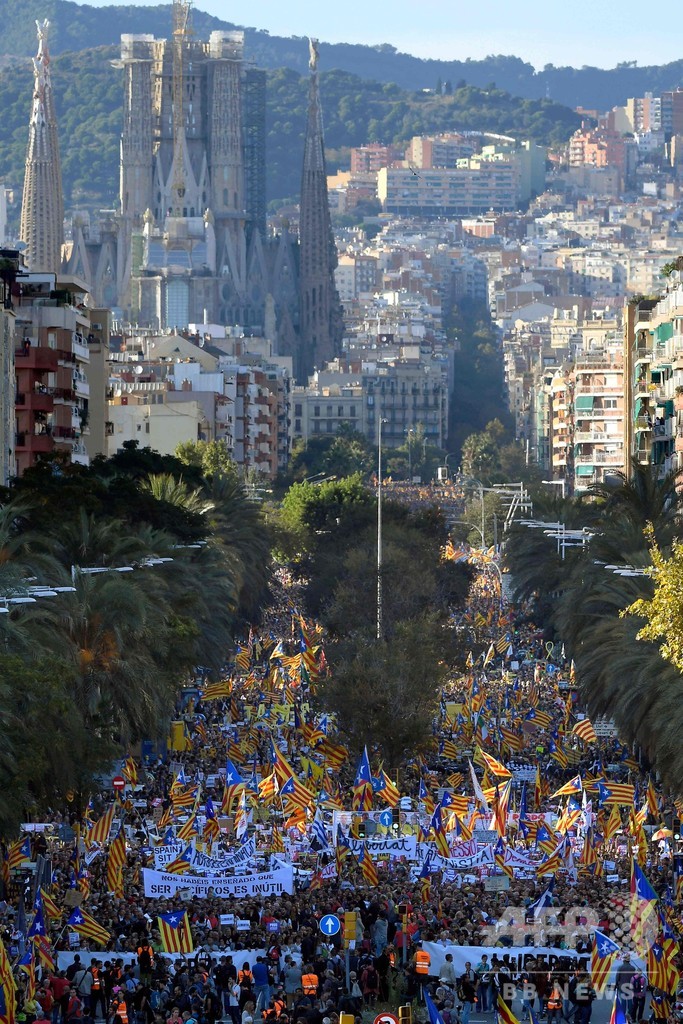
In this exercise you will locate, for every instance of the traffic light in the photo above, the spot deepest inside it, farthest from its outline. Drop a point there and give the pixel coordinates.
(349, 928)
(405, 1014)
(395, 819)
(346, 1018)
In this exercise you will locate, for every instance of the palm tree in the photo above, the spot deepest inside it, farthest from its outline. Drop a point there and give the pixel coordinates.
(239, 526)
(638, 499)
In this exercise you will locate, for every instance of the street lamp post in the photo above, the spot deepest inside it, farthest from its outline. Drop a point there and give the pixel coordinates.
(379, 528)
(479, 485)
(472, 526)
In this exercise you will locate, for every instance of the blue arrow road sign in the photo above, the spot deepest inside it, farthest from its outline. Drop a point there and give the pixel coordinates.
(385, 819)
(330, 924)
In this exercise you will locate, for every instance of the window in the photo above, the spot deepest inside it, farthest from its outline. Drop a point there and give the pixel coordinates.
(316, 410)
(298, 409)
(352, 411)
(340, 411)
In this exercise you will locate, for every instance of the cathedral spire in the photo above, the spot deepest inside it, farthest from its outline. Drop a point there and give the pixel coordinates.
(320, 316)
(42, 206)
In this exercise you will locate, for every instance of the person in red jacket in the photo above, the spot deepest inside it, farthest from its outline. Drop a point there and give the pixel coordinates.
(60, 986)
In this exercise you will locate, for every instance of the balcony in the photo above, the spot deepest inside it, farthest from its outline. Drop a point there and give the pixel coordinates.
(583, 436)
(62, 395)
(27, 442)
(600, 459)
(38, 358)
(80, 349)
(599, 389)
(36, 401)
(65, 433)
(79, 455)
(599, 414)
(81, 387)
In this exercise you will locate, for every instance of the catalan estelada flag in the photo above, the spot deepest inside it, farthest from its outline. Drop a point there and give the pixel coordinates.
(19, 853)
(175, 932)
(87, 926)
(603, 956)
(8, 989)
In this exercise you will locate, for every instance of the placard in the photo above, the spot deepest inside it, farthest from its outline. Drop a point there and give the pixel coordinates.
(496, 883)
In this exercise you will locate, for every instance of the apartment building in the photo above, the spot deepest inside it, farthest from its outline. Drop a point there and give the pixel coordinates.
(653, 358)
(367, 159)
(404, 392)
(598, 416)
(169, 389)
(53, 396)
(9, 264)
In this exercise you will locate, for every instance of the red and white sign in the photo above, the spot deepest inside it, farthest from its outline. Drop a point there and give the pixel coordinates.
(118, 782)
(386, 1018)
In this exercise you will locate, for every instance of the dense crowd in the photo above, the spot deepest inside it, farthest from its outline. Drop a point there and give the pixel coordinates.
(264, 957)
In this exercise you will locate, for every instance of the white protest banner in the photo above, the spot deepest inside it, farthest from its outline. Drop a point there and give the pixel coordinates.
(456, 865)
(268, 883)
(514, 957)
(163, 855)
(202, 862)
(517, 860)
(469, 848)
(400, 846)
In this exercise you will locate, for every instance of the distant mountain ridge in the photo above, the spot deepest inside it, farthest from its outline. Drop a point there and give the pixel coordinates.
(80, 26)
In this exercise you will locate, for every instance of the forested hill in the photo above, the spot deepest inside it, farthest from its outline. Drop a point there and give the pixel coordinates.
(89, 98)
(77, 26)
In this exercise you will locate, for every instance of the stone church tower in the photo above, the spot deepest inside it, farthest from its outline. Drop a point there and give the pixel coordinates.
(320, 318)
(42, 206)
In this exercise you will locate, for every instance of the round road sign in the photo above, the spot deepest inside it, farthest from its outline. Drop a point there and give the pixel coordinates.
(386, 1018)
(330, 924)
(118, 782)
(386, 819)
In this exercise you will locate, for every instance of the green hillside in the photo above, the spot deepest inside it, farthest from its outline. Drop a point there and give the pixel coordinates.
(80, 26)
(88, 93)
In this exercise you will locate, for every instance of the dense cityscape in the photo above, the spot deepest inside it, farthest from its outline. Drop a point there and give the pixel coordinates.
(341, 505)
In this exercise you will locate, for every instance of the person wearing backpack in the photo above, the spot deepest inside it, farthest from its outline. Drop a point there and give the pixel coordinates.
(145, 961)
(639, 986)
(369, 981)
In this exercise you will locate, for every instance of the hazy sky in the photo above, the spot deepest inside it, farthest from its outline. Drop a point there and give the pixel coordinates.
(576, 32)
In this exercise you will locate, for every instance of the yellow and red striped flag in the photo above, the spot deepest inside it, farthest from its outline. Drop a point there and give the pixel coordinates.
(81, 922)
(130, 770)
(116, 861)
(175, 932)
(585, 731)
(603, 955)
(99, 833)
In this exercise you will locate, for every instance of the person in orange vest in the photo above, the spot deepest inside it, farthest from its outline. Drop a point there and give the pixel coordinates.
(554, 1004)
(422, 963)
(97, 999)
(245, 980)
(118, 1009)
(145, 961)
(310, 982)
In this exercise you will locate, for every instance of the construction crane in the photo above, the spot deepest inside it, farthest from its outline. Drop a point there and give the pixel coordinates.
(181, 33)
